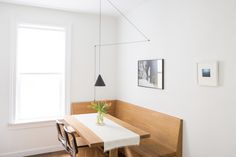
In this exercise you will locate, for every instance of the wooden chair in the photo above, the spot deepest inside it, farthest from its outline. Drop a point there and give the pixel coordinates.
(60, 133)
(77, 146)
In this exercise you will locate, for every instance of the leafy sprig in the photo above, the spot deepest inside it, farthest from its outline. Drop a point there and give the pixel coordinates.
(101, 106)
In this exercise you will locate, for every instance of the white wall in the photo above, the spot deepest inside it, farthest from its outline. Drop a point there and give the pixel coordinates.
(183, 33)
(17, 142)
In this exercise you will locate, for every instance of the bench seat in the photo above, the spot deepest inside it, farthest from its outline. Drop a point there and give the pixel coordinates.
(150, 148)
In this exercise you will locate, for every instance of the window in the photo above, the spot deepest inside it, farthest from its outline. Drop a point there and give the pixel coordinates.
(40, 73)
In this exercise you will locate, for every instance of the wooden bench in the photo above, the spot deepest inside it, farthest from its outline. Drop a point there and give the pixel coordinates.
(165, 130)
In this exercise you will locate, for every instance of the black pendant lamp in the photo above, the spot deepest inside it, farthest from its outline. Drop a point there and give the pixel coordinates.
(99, 82)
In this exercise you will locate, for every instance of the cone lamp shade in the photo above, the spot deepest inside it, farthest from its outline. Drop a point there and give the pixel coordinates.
(99, 82)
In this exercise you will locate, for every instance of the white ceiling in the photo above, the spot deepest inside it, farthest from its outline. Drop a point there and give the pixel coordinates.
(85, 6)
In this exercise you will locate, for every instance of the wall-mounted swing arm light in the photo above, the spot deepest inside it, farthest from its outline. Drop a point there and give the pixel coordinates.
(99, 81)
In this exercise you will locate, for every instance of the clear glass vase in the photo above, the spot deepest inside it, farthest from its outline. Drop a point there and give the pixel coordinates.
(100, 118)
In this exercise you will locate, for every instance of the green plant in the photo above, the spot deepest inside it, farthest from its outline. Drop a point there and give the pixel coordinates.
(100, 106)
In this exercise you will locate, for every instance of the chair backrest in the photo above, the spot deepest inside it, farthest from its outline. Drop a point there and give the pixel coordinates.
(60, 133)
(71, 141)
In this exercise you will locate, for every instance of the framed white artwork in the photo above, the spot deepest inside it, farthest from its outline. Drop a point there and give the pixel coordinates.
(208, 73)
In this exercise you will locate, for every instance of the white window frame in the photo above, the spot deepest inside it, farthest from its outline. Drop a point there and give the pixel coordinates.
(13, 59)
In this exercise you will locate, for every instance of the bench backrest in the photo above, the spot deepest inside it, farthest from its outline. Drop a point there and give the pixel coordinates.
(164, 129)
(85, 107)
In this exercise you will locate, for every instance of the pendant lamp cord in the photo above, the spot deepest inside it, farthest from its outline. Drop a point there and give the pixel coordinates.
(99, 45)
(100, 36)
(95, 63)
(117, 43)
(125, 17)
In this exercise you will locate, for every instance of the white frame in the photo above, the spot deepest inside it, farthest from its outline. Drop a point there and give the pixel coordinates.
(14, 25)
(212, 79)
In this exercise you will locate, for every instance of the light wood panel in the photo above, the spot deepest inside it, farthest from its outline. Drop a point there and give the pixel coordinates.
(85, 107)
(166, 130)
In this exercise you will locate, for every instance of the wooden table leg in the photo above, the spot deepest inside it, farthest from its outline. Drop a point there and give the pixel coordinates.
(113, 153)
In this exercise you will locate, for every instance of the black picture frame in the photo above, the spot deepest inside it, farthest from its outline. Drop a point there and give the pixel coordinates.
(151, 73)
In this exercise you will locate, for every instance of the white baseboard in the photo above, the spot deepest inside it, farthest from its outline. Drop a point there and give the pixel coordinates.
(33, 151)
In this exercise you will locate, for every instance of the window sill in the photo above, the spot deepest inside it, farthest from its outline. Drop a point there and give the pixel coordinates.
(28, 125)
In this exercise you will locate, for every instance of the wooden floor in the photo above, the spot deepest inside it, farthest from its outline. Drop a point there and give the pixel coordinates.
(59, 154)
(56, 154)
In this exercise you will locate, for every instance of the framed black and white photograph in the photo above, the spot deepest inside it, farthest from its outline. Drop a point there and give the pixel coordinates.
(208, 73)
(151, 73)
